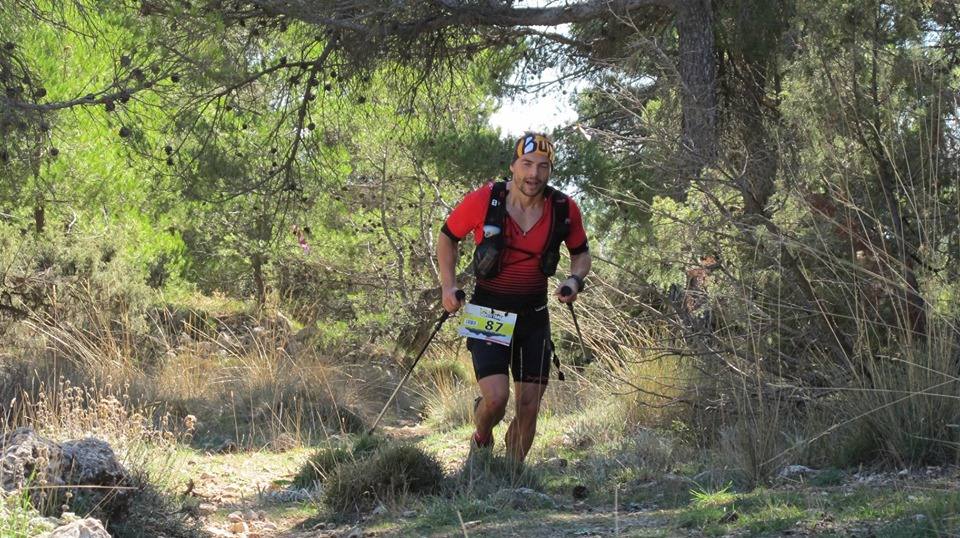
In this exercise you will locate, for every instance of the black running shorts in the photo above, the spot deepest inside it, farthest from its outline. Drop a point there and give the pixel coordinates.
(528, 355)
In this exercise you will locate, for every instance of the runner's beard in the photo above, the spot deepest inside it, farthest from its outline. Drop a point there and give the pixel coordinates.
(535, 188)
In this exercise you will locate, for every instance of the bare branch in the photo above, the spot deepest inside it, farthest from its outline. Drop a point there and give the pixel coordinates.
(547, 16)
(454, 13)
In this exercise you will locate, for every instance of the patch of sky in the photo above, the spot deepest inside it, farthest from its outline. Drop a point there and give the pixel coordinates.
(543, 101)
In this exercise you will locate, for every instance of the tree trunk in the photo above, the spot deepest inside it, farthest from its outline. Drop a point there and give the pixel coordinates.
(39, 217)
(697, 66)
(762, 158)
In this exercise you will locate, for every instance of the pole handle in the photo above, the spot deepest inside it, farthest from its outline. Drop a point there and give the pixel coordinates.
(567, 292)
(461, 296)
(443, 317)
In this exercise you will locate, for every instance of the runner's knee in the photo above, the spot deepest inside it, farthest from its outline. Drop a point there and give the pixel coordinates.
(529, 400)
(528, 408)
(495, 403)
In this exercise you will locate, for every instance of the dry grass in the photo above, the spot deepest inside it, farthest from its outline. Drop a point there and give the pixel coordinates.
(144, 445)
(73, 380)
(753, 447)
(248, 386)
(261, 392)
(447, 390)
(63, 412)
(908, 403)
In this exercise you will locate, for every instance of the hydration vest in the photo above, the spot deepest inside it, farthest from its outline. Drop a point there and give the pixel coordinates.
(488, 256)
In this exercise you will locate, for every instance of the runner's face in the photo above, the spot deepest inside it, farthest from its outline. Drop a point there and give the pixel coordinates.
(531, 173)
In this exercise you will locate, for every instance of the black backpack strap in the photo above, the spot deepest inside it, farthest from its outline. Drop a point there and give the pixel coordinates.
(560, 223)
(487, 256)
(559, 229)
(497, 209)
(561, 218)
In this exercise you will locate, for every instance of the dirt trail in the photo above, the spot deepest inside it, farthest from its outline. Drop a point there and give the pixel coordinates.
(247, 495)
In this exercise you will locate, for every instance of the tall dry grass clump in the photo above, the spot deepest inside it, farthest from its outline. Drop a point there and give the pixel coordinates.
(903, 407)
(629, 376)
(260, 386)
(446, 388)
(247, 381)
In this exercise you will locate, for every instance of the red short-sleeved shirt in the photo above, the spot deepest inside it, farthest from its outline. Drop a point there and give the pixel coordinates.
(520, 272)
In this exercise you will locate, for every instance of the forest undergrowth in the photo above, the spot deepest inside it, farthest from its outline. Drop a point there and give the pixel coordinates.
(620, 437)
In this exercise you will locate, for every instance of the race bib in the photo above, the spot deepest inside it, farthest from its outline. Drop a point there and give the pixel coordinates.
(487, 324)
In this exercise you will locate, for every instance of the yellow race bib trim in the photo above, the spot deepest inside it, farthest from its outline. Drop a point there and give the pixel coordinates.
(487, 324)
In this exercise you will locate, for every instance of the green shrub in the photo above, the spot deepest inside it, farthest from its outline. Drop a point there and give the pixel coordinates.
(75, 277)
(17, 515)
(366, 444)
(310, 291)
(828, 477)
(387, 476)
(150, 512)
(325, 461)
(320, 465)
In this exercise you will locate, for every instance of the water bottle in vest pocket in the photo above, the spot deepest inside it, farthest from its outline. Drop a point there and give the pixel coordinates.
(486, 258)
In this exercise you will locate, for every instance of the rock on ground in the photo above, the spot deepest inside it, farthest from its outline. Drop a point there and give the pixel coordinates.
(93, 461)
(82, 528)
(27, 457)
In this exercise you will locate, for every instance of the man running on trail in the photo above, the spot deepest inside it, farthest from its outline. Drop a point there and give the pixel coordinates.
(518, 226)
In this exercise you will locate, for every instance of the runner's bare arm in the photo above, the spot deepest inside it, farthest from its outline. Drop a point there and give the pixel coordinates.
(447, 262)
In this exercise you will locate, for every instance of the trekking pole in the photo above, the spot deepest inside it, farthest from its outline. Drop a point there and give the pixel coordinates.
(566, 292)
(460, 297)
